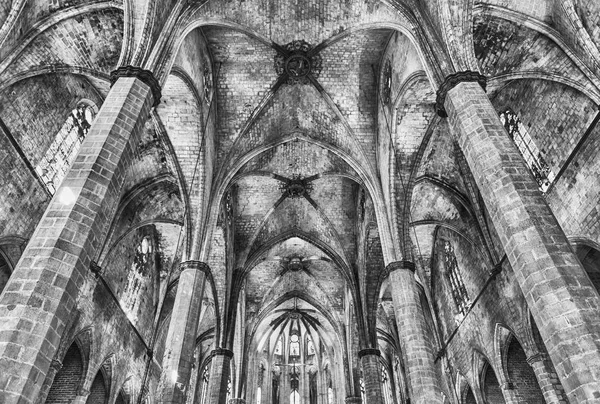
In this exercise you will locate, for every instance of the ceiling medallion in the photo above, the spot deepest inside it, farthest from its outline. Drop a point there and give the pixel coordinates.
(296, 187)
(297, 64)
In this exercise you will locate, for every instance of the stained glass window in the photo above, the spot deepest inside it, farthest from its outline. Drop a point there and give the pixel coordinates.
(459, 291)
(53, 167)
(532, 155)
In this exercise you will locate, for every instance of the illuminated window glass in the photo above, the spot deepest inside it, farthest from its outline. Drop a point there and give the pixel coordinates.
(310, 345)
(459, 291)
(278, 347)
(204, 391)
(258, 395)
(53, 167)
(386, 386)
(363, 394)
(532, 155)
(294, 345)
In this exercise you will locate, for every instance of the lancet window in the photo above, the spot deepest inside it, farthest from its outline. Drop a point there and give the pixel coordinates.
(459, 291)
(53, 167)
(532, 155)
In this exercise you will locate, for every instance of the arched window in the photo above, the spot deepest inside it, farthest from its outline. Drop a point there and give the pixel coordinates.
(310, 346)
(258, 395)
(204, 387)
(363, 394)
(53, 167)
(459, 291)
(279, 347)
(532, 155)
(387, 386)
(294, 345)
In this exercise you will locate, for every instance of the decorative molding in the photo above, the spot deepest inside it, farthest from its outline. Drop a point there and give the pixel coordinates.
(403, 264)
(536, 357)
(146, 76)
(296, 62)
(452, 81)
(56, 365)
(222, 351)
(196, 265)
(368, 351)
(95, 269)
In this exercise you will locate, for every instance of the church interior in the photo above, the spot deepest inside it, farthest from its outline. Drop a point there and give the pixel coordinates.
(303, 202)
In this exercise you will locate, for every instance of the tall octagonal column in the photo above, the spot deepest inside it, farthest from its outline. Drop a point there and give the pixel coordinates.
(416, 346)
(181, 337)
(219, 376)
(41, 295)
(371, 368)
(563, 301)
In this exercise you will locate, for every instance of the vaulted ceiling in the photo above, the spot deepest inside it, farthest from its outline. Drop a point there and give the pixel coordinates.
(303, 137)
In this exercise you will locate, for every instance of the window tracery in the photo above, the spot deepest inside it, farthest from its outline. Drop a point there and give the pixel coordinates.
(533, 157)
(457, 285)
(53, 167)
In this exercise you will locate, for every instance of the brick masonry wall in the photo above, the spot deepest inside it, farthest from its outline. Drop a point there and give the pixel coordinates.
(491, 389)
(35, 109)
(23, 199)
(32, 13)
(574, 197)
(98, 391)
(503, 46)
(589, 13)
(93, 42)
(522, 375)
(556, 116)
(68, 379)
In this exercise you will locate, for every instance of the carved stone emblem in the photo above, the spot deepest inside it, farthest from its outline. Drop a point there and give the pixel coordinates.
(297, 63)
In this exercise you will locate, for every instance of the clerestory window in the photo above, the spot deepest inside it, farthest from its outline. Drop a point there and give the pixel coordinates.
(532, 155)
(53, 167)
(459, 291)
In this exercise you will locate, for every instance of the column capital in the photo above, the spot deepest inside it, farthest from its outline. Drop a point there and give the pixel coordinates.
(452, 81)
(56, 364)
(353, 400)
(196, 265)
(508, 386)
(535, 357)
(222, 351)
(143, 75)
(403, 264)
(368, 351)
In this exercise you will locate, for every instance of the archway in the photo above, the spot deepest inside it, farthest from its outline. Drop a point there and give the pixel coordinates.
(522, 375)
(99, 390)
(68, 379)
(5, 272)
(469, 397)
(590, 259)
(492, 393)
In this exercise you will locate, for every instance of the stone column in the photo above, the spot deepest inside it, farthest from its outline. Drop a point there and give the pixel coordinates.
(562, 299)
(219, 376)
(82, 397)
(416, 345)
(510, 393)
(536, 361)
(41, 295)
(371, 368)
(181, 337)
